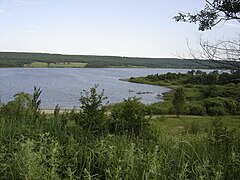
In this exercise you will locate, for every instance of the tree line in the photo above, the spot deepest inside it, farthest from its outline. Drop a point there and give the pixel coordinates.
(17, 59)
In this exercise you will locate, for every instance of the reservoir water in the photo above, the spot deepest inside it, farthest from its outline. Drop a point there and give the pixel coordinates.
(63, 86)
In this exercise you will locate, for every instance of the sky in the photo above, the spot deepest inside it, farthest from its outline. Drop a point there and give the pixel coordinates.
(135, 28)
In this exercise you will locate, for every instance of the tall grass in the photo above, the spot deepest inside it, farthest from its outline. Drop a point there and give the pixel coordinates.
(116, 156)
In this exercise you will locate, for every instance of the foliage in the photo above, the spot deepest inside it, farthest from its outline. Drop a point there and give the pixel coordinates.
(221, 137)
(196, 77)
(24, 106)
(38, 159)
(35, 103)
(129, 118)
(18, 108)
(211, 91)
(178, 101)
(155, 109)
(213, 13)
(195, 109)
(166, 77)
(220, 106)
(93, 112)
(213, 78)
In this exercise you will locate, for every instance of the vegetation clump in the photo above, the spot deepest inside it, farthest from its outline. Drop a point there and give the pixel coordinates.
(129, 118)
(178, 101)
(210, 93)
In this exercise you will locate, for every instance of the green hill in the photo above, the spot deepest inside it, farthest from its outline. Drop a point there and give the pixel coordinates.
(22, 59)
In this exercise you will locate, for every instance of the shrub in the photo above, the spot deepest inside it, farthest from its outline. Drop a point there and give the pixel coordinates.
(231, 106)
(195, 109)
(128, 118)
(211, 91)
(178, 101)
(214, 106)
(220, 106)
(23, 107)
(93, 112)
(216, 110)
(154, 109)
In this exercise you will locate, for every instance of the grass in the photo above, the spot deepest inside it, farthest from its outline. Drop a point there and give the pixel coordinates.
(170, 124)
(56, 65)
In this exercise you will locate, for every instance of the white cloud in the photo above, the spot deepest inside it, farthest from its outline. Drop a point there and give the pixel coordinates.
(5, 13)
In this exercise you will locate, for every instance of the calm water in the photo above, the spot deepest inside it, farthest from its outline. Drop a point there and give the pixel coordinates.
(64, 86)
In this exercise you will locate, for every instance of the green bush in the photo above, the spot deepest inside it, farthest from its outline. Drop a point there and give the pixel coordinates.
(195, 109)
(231, 106)
(216, 110)
(154, 109)
(128, 118)
(23, 107)
(178, 101)
(211, 91)
(220, 106)
(92, 116)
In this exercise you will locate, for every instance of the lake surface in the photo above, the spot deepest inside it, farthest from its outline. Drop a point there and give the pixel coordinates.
(64, 86)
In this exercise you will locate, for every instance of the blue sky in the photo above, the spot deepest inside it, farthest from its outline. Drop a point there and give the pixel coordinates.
(137, 28)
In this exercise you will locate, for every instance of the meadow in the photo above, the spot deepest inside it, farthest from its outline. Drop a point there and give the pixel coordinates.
(56, 65)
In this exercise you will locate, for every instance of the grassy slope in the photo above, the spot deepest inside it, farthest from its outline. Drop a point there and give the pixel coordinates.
(170, 124)
(56, 65)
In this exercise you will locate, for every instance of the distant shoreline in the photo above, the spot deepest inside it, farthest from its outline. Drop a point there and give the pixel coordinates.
(38, 60)
(125, 79)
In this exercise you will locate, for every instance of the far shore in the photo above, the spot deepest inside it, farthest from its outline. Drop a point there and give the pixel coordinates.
(125, 79)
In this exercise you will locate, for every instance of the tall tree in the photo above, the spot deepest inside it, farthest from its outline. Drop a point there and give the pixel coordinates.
(178, 101)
